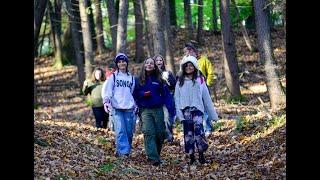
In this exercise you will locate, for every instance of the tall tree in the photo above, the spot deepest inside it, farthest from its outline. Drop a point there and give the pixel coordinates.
(39, 9)
(154, 14)
(187, 21)
(56, 32)
(274, 87)
(122, 27)
(200, 22)
(147, 29)
(113, 21)
(168, 36)
(74, 19)
(99, 27)
(89, 11)
(67, 45)
(230, 63)
(139, 57)
(173, 15)
(243, 29)
(214, 16)
(43, 36)
(87, 39)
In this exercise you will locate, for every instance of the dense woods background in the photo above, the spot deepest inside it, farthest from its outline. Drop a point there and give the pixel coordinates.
(245, 41)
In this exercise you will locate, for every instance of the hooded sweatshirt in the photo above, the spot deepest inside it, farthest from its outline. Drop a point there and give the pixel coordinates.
(192, 95)
(119, 91)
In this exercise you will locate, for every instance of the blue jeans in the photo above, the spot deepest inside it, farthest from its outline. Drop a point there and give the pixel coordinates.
(168, 120)
(123, 127)
(207, 122)
(101, 117)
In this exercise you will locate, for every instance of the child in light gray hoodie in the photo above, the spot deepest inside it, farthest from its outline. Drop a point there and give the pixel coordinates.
(118, 100)
(191, 99)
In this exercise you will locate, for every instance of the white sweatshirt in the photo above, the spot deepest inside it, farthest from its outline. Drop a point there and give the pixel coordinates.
(119, 91)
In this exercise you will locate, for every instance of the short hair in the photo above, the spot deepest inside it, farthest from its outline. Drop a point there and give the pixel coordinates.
(190, 45)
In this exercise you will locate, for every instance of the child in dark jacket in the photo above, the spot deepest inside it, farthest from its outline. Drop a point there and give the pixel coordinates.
(151, 93)
(171, 82)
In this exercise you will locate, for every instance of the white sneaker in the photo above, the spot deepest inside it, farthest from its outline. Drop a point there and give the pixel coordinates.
(182, 141)
(207, 134)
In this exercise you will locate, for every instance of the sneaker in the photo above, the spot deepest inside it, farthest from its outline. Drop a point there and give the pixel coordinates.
(192, 159)
(181, 142)
(207, 134)
(201, 158)
(124, 156)
(154, 162)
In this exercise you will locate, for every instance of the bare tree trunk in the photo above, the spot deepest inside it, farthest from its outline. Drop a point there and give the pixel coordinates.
(147, 29)
(99, 26)
(155, 21)
(57, 15)
(168, 37)
(39, 9)
(87, 40)
(113, 20)
(187, 21)
(122, 27)
(243, 29)
(275, 90)
(200, 23)
(229, 52)
(173, 16)
(76, 40)
(139, 56)
(57, 38)
(67, 46)
(43, 36)
(92, 25)
(214, 16)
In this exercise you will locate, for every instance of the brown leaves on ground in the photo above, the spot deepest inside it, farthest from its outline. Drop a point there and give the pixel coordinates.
(246, 143)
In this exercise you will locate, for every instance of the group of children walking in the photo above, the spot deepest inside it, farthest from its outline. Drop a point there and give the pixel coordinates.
(156, 97)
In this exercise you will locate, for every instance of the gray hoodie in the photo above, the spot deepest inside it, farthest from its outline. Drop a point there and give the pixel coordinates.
(190, 95)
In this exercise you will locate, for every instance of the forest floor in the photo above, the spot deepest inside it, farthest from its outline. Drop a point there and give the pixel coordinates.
(249, 140)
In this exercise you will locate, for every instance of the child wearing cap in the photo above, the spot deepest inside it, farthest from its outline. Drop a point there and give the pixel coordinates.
(118, 100)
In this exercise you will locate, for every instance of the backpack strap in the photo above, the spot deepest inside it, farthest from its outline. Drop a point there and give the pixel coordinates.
(114, 80)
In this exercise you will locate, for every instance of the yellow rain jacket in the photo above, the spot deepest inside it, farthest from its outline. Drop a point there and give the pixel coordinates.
(206, 68)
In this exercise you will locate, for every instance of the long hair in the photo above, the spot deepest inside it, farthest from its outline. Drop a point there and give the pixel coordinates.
(163, 67)
(181, 78)
(156, 71)
(103, 75)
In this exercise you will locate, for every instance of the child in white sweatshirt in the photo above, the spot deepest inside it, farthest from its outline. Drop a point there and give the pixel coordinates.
(118, 100)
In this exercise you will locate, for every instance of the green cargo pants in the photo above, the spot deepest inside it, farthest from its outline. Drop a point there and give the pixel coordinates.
(153, 128)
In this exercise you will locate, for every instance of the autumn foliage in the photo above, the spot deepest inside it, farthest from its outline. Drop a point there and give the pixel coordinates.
(249, 140)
